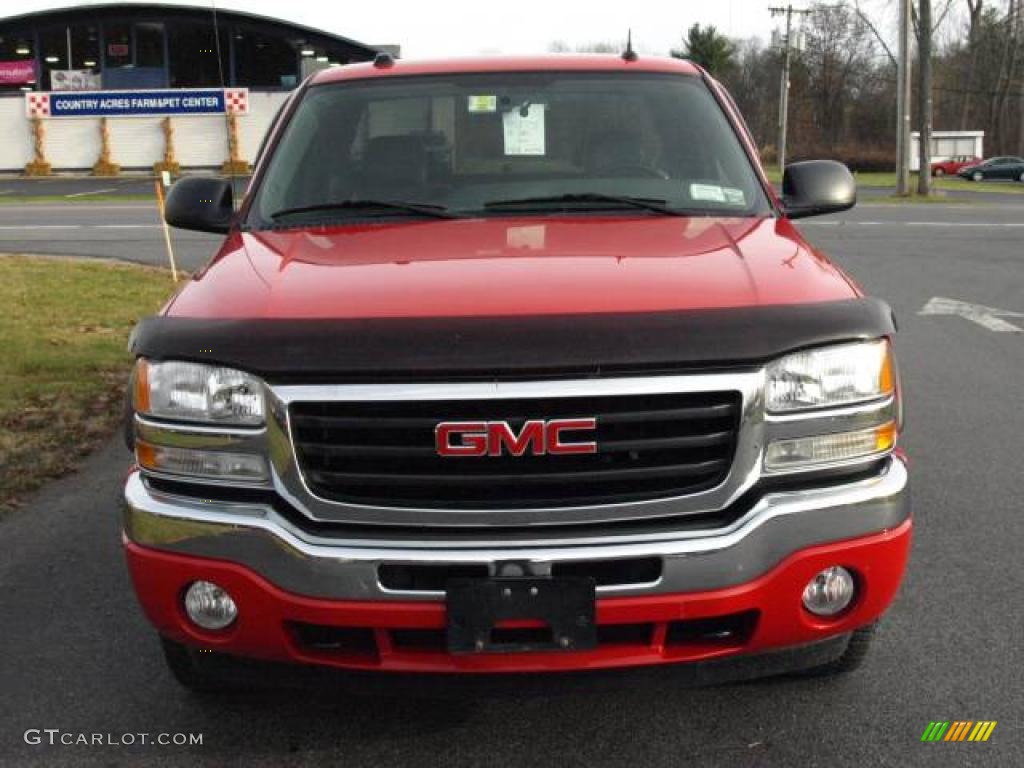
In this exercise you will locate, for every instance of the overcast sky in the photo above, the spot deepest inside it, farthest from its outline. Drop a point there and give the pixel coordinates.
(465, 27)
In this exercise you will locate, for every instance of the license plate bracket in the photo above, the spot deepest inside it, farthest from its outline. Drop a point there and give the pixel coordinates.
(497, 615)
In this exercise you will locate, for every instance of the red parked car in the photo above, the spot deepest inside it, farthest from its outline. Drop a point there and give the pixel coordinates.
(516, 365)
(952, 166)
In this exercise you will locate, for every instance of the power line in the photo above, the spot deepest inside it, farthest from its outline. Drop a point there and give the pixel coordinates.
(787, 43)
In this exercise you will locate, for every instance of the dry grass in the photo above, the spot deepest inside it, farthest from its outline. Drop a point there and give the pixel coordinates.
(64, 325)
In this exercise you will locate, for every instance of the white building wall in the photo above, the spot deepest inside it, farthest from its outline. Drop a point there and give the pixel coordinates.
(15, 135)
(73, 144)
(948, 144)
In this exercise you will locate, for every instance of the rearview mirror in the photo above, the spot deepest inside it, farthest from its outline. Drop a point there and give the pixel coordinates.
(814, 187)
(201, 203)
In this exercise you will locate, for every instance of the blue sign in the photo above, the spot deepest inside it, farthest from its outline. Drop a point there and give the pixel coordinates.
(137, 103)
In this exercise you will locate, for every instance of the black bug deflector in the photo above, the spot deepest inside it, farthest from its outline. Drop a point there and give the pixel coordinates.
(410, 349)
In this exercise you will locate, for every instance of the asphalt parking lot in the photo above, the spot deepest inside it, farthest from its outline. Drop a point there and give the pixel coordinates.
(76, 654)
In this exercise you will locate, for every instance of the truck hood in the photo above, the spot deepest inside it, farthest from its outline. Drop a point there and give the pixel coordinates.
(511, 266)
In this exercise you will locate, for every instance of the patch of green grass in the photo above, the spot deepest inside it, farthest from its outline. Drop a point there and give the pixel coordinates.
(999, 188)
(939, 199)
(125, 198)
(65, 325)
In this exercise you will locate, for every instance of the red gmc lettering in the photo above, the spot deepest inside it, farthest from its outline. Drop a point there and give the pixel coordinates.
(473, 434)
(495, 438)
(499, 434)
(556, 429)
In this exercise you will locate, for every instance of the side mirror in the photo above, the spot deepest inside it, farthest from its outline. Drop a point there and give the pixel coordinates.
(814, 187)
(202, 203)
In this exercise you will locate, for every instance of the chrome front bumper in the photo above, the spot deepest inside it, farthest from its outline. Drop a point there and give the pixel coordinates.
(258, 537)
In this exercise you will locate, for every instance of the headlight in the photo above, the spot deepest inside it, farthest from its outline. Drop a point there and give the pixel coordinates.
(830, 376)
(196, 392)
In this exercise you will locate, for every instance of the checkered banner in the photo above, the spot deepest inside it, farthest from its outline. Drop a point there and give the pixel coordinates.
(236, 100)
(37, 104)
(191, 101)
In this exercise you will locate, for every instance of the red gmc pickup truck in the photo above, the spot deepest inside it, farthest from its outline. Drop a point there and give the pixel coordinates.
(516, 365)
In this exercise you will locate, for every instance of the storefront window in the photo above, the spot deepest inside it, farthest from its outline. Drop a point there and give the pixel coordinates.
(193, 55)
(149, 45)
(17, 61)
(85, 47)
(53, 45)
(263, 60)
(118, 44)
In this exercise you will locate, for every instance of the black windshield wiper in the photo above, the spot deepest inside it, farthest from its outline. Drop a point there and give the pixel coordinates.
(422, 209)
(649, 204)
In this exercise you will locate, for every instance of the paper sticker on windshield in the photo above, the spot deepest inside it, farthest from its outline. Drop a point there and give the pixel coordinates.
(483, 103)
(734, 196)
(524, 130)
(711, 192)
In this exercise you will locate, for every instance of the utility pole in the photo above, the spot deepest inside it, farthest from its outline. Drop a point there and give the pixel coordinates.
(787, 49)
(924, 96)
(903, 103)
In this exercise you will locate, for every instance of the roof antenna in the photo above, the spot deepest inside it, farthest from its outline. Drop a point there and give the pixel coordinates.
(383, 60)
(629, 54)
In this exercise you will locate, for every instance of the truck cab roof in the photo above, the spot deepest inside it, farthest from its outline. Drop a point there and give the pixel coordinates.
(480, 64)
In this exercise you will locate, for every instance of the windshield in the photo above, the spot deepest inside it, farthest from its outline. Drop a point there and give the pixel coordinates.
(507, 144)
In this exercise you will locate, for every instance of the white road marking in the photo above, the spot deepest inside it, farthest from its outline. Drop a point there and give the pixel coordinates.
(986, 317)
(125, 226)
(972, 224)
(40, 226)
(33, 227)
(91, 192)
(85, 205)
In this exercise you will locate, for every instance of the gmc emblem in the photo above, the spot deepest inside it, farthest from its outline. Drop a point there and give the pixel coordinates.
(493, 438)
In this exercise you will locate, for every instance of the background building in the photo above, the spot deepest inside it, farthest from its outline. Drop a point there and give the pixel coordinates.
(148, 47)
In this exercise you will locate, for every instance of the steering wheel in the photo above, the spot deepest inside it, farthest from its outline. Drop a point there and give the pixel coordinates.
(635, 169)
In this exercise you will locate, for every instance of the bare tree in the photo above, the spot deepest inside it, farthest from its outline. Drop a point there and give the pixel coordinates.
(874, 30)
(1020, 116)
(838, 49)
(974, 11)
(997, 116)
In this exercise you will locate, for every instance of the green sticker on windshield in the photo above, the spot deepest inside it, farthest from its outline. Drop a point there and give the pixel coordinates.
(482, 103)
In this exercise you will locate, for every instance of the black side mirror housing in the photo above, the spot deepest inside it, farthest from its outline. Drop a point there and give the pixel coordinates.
(200, 203)
(814, 187)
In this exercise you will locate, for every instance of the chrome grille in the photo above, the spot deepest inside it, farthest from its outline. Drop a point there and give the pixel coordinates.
(382, 453)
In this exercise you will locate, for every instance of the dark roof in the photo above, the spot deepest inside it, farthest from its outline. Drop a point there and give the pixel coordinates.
(164, 10)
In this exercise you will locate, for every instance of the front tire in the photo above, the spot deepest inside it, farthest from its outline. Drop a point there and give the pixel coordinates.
(852, 658)
(938, 172)
(189, 670)
(977, 176)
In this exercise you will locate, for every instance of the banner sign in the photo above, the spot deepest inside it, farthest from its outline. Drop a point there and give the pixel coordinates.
(205, 101)
(74, 80)
(20, 72)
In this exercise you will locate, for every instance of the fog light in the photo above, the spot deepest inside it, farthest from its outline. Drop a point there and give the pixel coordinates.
(209, 606)
(829, 592)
